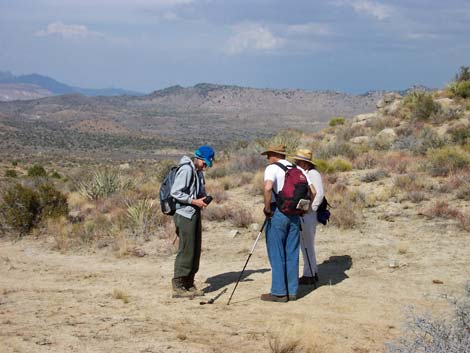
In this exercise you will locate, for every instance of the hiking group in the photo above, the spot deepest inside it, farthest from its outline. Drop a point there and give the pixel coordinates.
(292, 196)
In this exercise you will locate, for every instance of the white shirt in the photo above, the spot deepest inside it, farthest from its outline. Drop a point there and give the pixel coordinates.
(276, 174)
(317, 182)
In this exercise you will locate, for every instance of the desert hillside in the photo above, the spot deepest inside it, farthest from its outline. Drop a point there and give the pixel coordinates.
(129, 127)
(86, 256)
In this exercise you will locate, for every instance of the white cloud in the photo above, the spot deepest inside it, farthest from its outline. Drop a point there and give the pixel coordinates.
(369, 8)
(252, 37)
(66, 31)
(309, 29)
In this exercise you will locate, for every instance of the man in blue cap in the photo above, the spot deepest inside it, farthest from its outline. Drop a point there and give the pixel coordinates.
(189, 191)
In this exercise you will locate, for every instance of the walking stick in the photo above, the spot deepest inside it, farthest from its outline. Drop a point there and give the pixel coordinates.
(248, 259)
(306, 253)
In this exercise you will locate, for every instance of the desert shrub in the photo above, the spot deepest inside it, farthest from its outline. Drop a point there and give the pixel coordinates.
(437, 335)
(257, 183)
(290, 138)
(460, 89)
(291, 346)
(408, 183)
(53, 202)
(163, 168)
(463, 74)
(446, 114)
(346, 206)
(340, 165)
(460, 135)
(21, 208)
(463, 192)
(335, 149)
(323, 166)
(381, 123)
(101, 184)
(217, 191)
(336, 121)
(464, 221)
(11, 173)
(421, 105)
(14, 162)
(217, 213)
(416, 196)
(56, 175)
(374, 176)
(242, 217)
(367, 160)
(37, 171)
(441, 209)
(442, 161)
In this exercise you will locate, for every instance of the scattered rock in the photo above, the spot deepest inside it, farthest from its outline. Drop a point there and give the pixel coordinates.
(124, 166)
(387, 99)
(437, 281)
(233, 233)
(254, 226)
(360, 140)
(362, 119)
(387, 135)
(138, 252)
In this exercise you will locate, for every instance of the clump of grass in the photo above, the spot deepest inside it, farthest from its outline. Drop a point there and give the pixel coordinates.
(37, 171)
(141, 215)
(421, 105)
(11, 173)
(120, 295)
(241, 217)
(441, 209)
(374, 176)
(336, 121)
(277, 346)
(443, 161)
(103, 183)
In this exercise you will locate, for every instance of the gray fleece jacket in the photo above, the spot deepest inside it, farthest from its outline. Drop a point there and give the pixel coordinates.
(188, 185)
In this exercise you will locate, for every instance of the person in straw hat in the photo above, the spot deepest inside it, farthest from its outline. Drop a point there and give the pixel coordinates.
(282, 231)
(303, 159)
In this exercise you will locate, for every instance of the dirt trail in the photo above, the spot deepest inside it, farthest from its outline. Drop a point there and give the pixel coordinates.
(52, 302)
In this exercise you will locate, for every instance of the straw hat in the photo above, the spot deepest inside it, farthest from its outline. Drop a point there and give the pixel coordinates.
(305, 155)
(280, 149)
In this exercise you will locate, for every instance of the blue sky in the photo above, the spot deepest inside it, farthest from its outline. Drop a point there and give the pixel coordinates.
(343, 45)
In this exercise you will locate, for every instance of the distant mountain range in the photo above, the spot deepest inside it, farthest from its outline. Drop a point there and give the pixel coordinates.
(34, 86)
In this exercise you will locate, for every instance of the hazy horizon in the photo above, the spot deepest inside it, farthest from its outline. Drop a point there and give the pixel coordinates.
(350, 46)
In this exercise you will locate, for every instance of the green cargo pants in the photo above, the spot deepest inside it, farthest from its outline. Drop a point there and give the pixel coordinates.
(189, 232)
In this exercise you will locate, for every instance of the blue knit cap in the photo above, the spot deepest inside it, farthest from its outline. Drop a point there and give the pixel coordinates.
(206, 153)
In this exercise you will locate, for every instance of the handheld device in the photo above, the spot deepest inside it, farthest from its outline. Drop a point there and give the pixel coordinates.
(208, 199)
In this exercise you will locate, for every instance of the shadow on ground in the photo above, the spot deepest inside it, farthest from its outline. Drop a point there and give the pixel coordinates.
(330, 272)
(224, 279)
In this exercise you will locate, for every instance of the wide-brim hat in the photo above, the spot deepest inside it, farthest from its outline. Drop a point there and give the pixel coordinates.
(279, 149)
(305, 155)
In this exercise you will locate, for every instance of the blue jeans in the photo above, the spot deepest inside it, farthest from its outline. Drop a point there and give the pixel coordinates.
(282, 242)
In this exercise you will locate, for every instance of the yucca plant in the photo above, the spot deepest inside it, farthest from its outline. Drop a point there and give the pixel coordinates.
(140, 213)
(103, 183)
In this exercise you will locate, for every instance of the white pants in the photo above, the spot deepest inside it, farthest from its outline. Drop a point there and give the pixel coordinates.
(307, 240)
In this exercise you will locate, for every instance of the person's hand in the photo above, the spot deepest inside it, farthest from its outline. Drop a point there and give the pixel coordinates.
(267, 212)
(199, 202)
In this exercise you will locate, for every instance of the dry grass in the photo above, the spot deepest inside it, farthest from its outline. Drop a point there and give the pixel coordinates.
(120, 295)
(441, 209)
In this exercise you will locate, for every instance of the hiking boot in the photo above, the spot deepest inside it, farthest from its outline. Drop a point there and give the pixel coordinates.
(179, 291)
(292, 298)
(306, 281)
(196, 292)
(188, 283)
(274, 298)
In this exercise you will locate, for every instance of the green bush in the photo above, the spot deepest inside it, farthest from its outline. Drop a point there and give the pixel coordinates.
(10, 173)
(37, 171)
(56, 175)
(463, 75)
(53, 202)
(21, 208)
(337, 121)
(461, 89)
(421, 105)
(461, 135)
(341, 165)
(442, 161)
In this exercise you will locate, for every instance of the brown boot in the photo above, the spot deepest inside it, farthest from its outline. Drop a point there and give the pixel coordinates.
(189, 285)
(179, 290)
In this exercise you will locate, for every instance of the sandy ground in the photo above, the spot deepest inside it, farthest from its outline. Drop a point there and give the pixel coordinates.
(53, 302)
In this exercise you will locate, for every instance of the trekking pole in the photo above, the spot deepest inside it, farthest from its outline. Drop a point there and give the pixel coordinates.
(248, 259)
(306, 253)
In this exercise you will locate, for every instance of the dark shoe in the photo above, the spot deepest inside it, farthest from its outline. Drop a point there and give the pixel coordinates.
(316, 277)
(292, 298)
(196, 292)
(274, 298)
(188, 284)
(306, 281)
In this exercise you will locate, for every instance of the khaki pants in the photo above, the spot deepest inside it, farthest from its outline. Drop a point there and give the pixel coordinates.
(189, 232)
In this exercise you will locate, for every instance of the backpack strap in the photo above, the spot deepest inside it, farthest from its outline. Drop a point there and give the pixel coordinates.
(283, 167)
(192, 176)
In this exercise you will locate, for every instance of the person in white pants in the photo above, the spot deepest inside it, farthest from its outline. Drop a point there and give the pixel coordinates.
(309, 221)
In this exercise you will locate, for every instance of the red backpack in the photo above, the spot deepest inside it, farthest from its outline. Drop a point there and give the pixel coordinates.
(295, 188)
